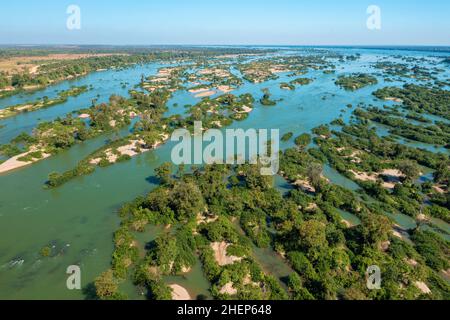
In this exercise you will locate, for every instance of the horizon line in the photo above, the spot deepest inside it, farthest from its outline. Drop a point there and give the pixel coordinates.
(224, 45)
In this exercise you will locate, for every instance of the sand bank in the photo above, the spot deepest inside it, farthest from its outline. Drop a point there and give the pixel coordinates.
(205, 94)
(220, 254)
(179, 293)
(13, 163)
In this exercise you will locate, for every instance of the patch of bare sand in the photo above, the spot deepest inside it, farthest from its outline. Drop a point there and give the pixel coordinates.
(304, 185)
(228, 289)
(248, 280)
(412, 262)
(439, 189)
(393, 173)
(179, 293)
(364, 176)
(205, 219)
(278, 69)
(246, 109)
(422, 218)
(198, 90)
(348, 224)
(394, 99)
(13, 163)
(133, 148)
(225, 89)
(220, 254)
(446, 273)
(399, 232)
(7, 89)
(422, 286)
(205, 94)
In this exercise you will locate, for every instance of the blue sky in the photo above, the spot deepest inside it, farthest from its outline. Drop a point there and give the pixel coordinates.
(290, 22)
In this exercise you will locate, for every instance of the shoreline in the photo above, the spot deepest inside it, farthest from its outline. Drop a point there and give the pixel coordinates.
(14, 164)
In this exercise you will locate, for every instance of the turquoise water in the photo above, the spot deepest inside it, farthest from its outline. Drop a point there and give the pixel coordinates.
(77, 219)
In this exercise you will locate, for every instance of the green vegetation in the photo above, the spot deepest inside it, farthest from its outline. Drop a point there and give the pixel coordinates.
(301, 81)
(265, 100)
(225, 218)
(436, 134)
(63, 133)
(153, 129)
(42, 103)
(286, 137)
(150, 131)
(356, 81)
(419, 99)
(46, 252)
(287, 86)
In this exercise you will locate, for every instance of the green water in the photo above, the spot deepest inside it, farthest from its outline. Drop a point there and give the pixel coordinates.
(78, 219)
(354, 220)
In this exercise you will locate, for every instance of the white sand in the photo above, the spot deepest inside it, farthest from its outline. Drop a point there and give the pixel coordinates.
(446, 273)
(364, 176)
(347, 223)
(198, 90)
(393, 173)
(205, 94)
(394, 99)
(225, 89)
(422, 218)
(220, 253)
(438, 189)
(278, 69)
(248, 280)
(422, 287)
(186, 269)
(412, 262)
(228, 289)
(246, 109)
(130, 149)
(179, 293)
(13, 163)
(304, 185)
(201, 218)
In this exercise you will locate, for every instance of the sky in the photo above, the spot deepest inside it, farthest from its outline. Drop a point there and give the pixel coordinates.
(228, 22)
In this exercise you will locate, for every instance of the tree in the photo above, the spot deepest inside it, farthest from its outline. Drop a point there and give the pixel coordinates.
(3, 80)
(442, 173)
(375, 228)
(82, 133)
(265, 100)
(410, 169)
(187, 200)
(312, 235)
(164, 173)
(314, 175)
(295, 285)
(54, 179)
(151, 139)
(303, 141)
(106, 285)
(160, 291)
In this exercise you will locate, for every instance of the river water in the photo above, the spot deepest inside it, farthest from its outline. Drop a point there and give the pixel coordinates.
(77, 220)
